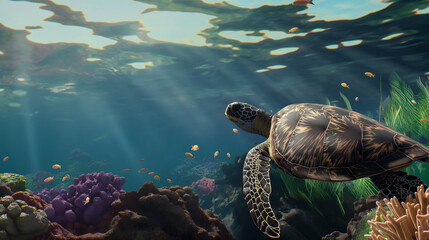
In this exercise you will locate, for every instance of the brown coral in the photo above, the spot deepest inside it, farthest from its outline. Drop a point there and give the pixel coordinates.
(30, 199)
(154, 213)
(407, 220)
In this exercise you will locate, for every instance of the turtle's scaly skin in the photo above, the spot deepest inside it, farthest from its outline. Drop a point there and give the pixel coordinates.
(328, 143)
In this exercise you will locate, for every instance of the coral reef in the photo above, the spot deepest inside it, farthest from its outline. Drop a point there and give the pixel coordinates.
(86, 201)
(16, 182)
(204, 186)
(406, 220)
(167, 213)
(21, 221)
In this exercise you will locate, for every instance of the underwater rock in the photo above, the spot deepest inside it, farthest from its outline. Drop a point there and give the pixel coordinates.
(233, 172)
(4, 189)
(16, 182)
(30, 199)
(19, 221)
(87, 200)
(361, 208)
(170, 210)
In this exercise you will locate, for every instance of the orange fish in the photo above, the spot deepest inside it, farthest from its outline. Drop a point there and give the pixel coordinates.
(302, 2)
(141, 160)
(239, 160)
(189, 155)
(127, 170)
(5, 158)
(86, 201)
(216, 153)
(195, 148)
(229, 155)
(356, 99)
(414, 101)
(424, 120)
(294, 29)
(235, 130)
(169, 180)
(368, 74)
(56, 166)
(142, 170)
(156, 177)
(151, 173)
(48, 179)
(65, 177)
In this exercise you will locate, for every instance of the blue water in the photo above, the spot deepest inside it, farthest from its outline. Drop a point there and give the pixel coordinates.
(118, 114)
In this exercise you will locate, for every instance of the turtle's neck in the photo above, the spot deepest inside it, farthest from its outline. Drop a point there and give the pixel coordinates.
(262, 123)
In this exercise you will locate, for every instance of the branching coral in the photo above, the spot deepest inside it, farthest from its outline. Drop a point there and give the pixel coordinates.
(406, 221)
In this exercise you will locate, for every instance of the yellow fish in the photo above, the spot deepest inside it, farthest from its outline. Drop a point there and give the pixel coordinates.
(86, 201)
(189, 155)
(48, 179)
(56, 166)
(216, 153)
(345, 85)
(294, 29)
(65, 177)
(235, 130)
(369, 74)
(195, 148)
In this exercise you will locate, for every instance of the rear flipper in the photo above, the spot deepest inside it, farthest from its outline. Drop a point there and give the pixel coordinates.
(397, 184)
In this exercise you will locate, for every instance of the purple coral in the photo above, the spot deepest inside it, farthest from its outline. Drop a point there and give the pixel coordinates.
(205, 186)
(66, 207)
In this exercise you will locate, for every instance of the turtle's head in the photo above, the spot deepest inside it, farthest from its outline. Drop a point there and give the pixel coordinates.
(249, 118)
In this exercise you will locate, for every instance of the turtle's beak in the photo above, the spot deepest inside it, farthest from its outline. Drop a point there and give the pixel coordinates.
(229, 115)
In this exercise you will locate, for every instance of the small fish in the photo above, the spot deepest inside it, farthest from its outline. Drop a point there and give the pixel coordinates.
(414, 101)
(368, 74)
(5, 158)
(235, 130)
(142, 159)
(195, 148)
(127, 170)
(424, 120)
(302, 2)
(48, 179)
(229, 155)
(156, 177)
(189, 155)
(345, 85)
(142, 170)
(169, 180)
(294, 29)
(86, 201)
(65, 177)
(216, 153)
(239, 160)
(56, 166)
(356, 99)
(151, 173)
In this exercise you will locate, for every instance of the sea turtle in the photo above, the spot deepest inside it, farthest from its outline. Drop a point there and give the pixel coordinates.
(325, 143)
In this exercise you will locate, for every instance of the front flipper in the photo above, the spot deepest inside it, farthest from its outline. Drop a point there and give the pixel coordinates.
(257, 190)
(397, 184)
